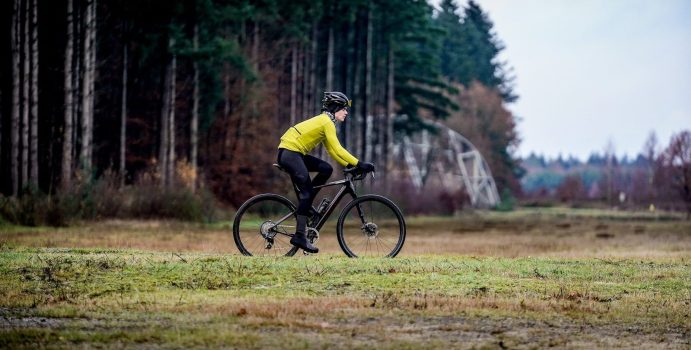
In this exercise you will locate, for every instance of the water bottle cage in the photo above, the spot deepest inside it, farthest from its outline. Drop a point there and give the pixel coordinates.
(323, 205)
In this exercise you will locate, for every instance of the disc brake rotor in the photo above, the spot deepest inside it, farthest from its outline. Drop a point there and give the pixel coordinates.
(370, 229)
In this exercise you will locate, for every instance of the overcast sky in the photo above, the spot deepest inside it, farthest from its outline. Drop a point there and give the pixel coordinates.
(593, 71)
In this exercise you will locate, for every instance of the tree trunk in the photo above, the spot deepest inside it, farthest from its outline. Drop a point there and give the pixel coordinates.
(25, 98)
(347, 77)
(92, 81)
(88, 86)
(194, 123)
(366, 100)
(123, 116)
(312, 83)
(313, 73)
(388, 140)
(34, 94)
(379, 81)
(225, 118)
(163, 151)
(14, 136)
(69, 103)
(171, 122)
(302, 94)
(353, 132)
(293, 85)
(330, 61)
(77, 77)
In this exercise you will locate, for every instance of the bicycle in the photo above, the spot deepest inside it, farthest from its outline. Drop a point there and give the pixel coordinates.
(369, 225)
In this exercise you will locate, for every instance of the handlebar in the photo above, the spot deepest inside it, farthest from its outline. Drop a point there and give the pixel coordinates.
(356, 174)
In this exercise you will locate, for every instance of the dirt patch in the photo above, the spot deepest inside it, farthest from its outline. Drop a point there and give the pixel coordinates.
(396, 330)
(16, 318)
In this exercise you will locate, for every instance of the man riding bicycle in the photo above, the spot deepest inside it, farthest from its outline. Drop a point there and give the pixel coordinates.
(293, 156)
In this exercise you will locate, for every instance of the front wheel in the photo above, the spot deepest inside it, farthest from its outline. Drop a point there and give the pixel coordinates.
(371, 226)
(264, 225)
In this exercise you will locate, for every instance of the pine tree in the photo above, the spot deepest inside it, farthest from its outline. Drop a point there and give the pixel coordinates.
(452, 44)
(479, 57)
(418, 85)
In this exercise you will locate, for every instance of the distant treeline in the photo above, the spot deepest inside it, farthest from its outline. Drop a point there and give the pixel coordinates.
(197, 92)
(658, 176)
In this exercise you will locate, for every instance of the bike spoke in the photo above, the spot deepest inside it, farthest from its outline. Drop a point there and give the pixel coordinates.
(380, 235)
(261, 227)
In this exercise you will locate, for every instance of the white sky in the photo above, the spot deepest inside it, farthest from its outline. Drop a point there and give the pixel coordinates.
(593, 71)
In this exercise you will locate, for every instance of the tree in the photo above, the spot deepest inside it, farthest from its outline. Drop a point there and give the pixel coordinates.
(486, 122)
(650, 154)
(194, 122)
(34, 94)
(677, 159)
(419, 89)
(452, 44)
(611, 171)
(123, 113)
(166, 157)
(478, 55)
(26, 101)
(88, 81)
(14, 161)
(69, 101)
(571, 189)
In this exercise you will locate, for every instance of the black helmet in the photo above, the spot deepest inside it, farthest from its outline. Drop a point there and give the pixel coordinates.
(334, 101)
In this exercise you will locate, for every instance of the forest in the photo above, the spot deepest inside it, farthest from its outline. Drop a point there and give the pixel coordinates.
(187, 99)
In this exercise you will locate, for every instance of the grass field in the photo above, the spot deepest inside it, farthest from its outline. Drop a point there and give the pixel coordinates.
(530, 278)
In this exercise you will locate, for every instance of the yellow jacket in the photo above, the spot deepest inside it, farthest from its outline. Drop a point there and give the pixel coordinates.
(304, 136)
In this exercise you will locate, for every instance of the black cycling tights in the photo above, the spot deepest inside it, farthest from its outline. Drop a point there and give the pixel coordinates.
(299, 166)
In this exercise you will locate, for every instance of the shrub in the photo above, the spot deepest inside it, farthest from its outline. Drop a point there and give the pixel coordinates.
(429, 200)
(91, 198)
(508, 201)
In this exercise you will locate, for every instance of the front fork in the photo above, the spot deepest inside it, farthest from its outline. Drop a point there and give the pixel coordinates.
(361, 213)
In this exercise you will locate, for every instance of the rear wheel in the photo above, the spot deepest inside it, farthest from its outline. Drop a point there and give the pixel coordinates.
(264, 225)
(371, 226)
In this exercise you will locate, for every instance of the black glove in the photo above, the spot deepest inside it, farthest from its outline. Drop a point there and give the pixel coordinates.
(365, 167)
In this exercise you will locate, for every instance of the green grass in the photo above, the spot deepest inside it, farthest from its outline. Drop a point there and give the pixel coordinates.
(124, 298)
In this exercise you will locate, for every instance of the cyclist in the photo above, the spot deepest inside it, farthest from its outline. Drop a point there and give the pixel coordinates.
(293, 156)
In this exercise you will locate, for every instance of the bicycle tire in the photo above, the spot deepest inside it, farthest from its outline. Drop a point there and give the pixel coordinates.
(257, 211)
(368, 242)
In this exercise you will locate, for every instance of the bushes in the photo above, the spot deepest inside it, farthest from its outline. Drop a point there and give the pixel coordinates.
(93, 199)
(432, 200)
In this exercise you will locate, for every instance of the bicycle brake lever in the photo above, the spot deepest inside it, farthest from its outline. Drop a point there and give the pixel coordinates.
(372, 175)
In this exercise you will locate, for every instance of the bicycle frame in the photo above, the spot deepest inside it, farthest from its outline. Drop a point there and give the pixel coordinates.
(347, 189)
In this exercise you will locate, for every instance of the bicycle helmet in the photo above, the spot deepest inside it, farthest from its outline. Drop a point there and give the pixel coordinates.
(334, 101)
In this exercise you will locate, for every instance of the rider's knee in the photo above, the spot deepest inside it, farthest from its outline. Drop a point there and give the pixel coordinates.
(301, 179)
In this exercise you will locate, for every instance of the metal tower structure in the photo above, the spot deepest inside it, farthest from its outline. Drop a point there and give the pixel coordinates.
(447, 159)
